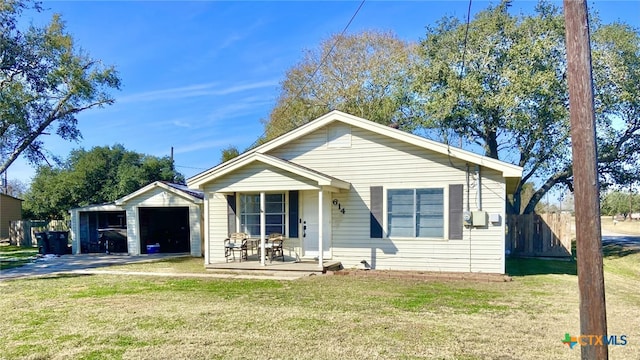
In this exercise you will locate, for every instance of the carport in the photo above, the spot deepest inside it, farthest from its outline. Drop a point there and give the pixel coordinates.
(89, 222)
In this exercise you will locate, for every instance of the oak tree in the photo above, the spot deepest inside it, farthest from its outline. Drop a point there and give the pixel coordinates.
(509, 96)
(45, 82)
(365, 74)
(100, 175)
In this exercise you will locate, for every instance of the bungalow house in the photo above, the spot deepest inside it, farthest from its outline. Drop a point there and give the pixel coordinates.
(161, 213)
(351, 190)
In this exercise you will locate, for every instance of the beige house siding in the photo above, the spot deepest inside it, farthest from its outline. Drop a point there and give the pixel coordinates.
(158, 197)
(258, 176)
(10, 210)
(376, 160)
(218, 228)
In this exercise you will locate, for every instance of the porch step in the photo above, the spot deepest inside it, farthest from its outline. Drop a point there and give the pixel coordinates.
(261, 274)
(335, 266)
(276, 266)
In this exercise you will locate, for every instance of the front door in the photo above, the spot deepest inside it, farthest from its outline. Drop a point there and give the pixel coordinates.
(310, 224)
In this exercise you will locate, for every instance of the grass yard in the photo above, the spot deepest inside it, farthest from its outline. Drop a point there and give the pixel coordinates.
(319, 317)
(629, 227)
(14, 256)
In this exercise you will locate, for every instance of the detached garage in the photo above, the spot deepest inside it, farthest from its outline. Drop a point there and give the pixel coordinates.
(160, 217)
(165, 217)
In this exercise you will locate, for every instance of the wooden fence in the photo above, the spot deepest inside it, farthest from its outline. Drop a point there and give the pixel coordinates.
(22, 232)
(539, 234)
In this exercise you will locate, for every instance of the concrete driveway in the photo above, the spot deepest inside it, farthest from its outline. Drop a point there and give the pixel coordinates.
(52, 264)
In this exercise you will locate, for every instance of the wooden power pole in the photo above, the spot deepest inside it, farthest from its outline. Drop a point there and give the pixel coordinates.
(593, 318)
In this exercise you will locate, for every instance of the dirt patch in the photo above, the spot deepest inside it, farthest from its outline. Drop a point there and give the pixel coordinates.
(425, 275)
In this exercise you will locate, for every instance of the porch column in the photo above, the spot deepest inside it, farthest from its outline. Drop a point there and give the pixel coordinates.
(320, 226)
(207, 247)
(263, 226)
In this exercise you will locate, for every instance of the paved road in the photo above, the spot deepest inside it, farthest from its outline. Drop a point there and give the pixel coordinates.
(620, 239)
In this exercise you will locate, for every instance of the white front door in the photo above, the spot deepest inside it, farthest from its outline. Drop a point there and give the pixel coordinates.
(310, 232)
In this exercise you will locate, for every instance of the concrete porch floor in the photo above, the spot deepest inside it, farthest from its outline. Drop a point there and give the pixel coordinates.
(290, 264)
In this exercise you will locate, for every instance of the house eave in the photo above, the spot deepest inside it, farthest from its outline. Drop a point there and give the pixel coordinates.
(322, 180)
(157, 184)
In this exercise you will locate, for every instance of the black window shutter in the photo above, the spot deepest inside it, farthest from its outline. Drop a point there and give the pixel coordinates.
(293, 213)
(231, 213)
(375, 229)
(455, 211)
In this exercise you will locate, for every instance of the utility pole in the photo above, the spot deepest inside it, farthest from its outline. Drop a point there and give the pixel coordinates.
(593, 317)
(173, 167)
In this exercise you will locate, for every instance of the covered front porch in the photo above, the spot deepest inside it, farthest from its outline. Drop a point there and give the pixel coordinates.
(253, 263)
(261, 196)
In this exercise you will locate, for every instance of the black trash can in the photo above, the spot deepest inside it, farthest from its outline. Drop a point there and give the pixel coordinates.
(58, 242)
(43, 242)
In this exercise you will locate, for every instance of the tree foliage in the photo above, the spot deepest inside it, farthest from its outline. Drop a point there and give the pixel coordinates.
(45, 81)
(229, 153)
(365, 74)
(620, 203)
(510, 95)
(616, 63)
(100, 175)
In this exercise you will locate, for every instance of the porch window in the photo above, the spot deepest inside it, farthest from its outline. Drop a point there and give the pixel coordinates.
(250, 213)
(415, 213)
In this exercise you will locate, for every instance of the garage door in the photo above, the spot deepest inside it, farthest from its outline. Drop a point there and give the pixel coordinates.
(166, 226)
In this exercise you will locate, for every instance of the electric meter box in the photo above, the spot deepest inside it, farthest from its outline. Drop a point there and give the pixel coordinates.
(479, 218)
(466, 216)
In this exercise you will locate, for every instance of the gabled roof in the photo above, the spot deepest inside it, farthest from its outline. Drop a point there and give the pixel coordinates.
(195, 196)
(507, 170)
(320, 178)
(98, 207)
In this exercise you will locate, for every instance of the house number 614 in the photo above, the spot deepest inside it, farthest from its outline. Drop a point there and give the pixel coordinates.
(340, 208)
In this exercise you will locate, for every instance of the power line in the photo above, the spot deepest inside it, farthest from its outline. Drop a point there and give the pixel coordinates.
(190, 167)
(462, 65)
(315, 71)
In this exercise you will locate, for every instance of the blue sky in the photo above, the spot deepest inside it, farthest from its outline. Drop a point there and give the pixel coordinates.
(199, 76)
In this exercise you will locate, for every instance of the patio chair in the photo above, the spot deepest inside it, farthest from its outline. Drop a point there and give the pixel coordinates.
(276, 248)
(235, 242)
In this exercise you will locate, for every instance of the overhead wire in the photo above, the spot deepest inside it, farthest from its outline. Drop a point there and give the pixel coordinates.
(462, 65)
(315, 71)
(459, 82)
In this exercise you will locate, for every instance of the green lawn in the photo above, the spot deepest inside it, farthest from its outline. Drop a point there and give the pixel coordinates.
(318, 317)
(14, 256)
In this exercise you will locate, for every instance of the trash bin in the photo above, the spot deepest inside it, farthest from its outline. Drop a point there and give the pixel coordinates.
(43, 242)
(58, 242)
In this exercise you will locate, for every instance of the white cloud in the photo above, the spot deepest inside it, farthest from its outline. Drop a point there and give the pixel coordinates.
(180, 123)
(197, 90)
(208, 144)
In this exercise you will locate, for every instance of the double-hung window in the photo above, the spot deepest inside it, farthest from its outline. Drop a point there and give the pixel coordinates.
(250, 213)
(415, 213)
